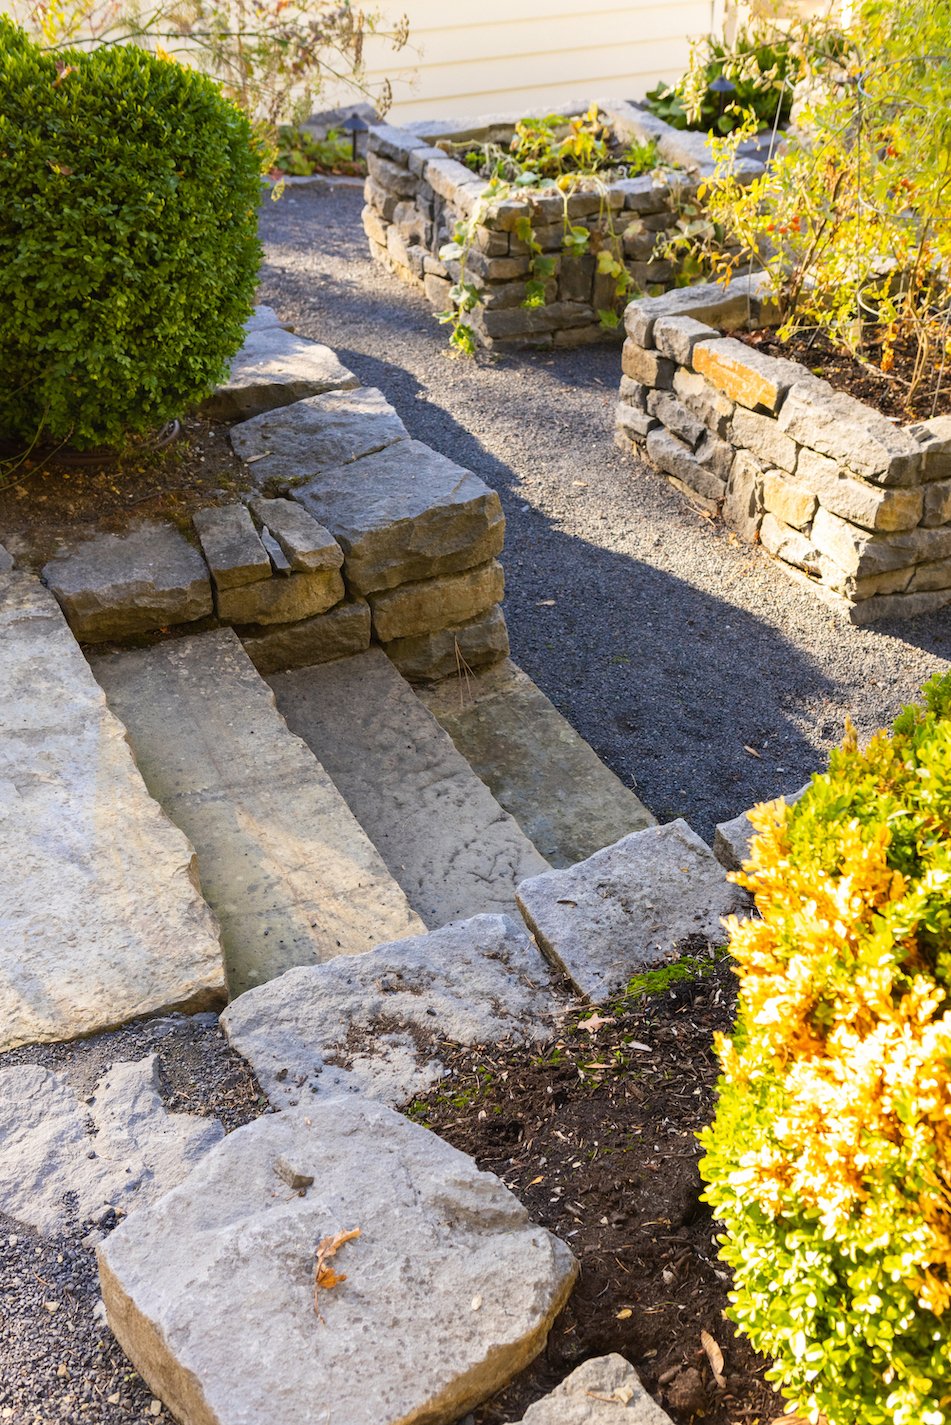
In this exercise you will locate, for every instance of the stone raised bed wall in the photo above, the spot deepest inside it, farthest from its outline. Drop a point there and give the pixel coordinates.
(838, 493)
(416, 194)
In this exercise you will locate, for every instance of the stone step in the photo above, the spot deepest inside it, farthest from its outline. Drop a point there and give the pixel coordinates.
(453, 849)
(290, 874)
(102, 919)
(445, 1288)
(554, 784)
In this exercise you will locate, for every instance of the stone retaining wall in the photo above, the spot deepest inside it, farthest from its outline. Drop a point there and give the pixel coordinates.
(416, 194)
(858, 505)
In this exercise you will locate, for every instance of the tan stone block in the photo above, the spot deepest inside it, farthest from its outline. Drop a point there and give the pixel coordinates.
(761, 435)
(788, 544)
(871, 506)
(646, 366)
(746, 375)
(434, 604)
(786, 498)
(281, 599)
(743, 506)
(937, 508)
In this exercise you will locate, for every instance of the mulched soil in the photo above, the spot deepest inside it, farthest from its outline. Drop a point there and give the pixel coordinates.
(884, 392)
(44, 504)
(595, 1134)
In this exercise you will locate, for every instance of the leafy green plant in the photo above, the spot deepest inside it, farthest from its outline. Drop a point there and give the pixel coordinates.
(128, 247)
(559, 157)
(760, 65)
(829, 1160)
(299, 153)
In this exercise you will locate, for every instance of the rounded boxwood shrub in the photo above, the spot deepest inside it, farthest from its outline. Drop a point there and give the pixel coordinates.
(829, 1160)
(128, 240)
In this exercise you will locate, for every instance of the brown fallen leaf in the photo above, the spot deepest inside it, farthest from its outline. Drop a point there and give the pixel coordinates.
(326, 1278)
(621, 1396)
(715, 1356)
(593, 1023)
(752, 751)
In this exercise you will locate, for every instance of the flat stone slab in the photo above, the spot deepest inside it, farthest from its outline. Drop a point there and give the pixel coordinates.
(262, 318)
(731, 841)
(534, 763)
(604, 1391)
(120, 584)
(65, 1160)
(272, 369)
(439, 829)
(449, 1292)
(405, 513)
(101, 919)
(339, 633)
(629, 907)
(371, 1024)
(298, 441)
(293, 878)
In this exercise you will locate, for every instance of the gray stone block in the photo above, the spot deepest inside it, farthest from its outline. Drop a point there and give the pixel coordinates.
(404, 514)
(761, 436)
(888, 606)
(934, 438)
(646, 367)
(603, 1391)
(281, 600)
(272, 369)
(678, 420)
(726, 308)
(431, 656)
(298, 441)
(871, 506)
(629, 907)
(6, 560)
(634, 422)
(743, 505)
(306, 545)
(788, 544)
(676, 337)
(853, 434)
(671, 456)
(731, 842)
(449, 1287)
(433, 604)
(339, 633)
(231, 546)
(937, 506)
(705, 401)
(116, 585)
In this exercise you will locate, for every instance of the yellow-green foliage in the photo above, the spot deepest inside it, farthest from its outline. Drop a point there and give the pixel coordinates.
(829, 1161)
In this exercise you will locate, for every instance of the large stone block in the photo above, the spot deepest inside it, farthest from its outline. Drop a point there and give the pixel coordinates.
(629, 907)
(282, 599)
(430, 656)
(449, 1291)
(871, 506)
(676, 337)
(937, 506)
(677, 419)
(705, 401)
(477, 981)
(675, 459)
(232, 548)
(115, 585)
(726, 308)
(862, 555)
(102, 918)
(339, 633)
(746, 375)
(788, 499)
(404, 514)
(743, 505)
(432, 604)
(272, 369)
(298, 441)
(934, 439)
(761, 436)
(646, 367)
(788, 544)
(854, 435)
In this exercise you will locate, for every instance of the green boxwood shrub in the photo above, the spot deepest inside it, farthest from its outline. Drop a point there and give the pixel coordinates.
(128, 240)
(829, 1160)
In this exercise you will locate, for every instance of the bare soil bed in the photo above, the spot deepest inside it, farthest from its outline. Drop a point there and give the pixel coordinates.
(595, 1134)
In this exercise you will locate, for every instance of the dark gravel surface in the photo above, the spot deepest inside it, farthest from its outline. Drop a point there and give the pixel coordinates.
(668, 643)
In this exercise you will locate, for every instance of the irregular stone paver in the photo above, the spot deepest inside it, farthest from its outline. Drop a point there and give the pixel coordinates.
(405, 513)
(450, 1289)
(231, 545)
(731, 842)
(272, 369)
(339, 633)
(291, 875)
(120, 584)
(101, 918)
(425, 657)
(369, 1024)
(297, 441)
(440, 831)
(604, 1391)
(534, 763)
(67, 1160)
(629, 907)
(433, 604)
(305, 543)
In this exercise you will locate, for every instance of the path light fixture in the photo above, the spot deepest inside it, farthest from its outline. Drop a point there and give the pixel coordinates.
(721, 87)
(354, 126)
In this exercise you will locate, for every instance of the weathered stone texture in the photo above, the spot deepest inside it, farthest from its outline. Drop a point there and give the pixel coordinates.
(671, 456)
(339, 633)
(307, 545)
(743, 505)
(272, 369)
(746, 375)
(761, 436)
(646, 366)
(299, 440)
(282, 600)
(603, 1391)
(434, 604)
(853, 434)
(231, 546)
(428, 657)
(788, 498)
(716, 306)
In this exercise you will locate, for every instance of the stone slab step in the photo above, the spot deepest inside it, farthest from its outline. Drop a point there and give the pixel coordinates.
(631, 907)
(452, 848)
(536, 766)
(101, 917)
(275, 368)
(449, 1289)
(290, 874)
(375, 1024)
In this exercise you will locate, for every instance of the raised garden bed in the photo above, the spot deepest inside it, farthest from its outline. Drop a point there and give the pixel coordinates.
(832, 488)
(417, 194)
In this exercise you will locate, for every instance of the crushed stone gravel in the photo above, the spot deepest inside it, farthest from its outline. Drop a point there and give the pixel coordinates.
(669, 644)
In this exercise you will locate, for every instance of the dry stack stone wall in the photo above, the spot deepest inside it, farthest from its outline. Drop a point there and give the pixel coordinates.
(416, 194)
(826, 484)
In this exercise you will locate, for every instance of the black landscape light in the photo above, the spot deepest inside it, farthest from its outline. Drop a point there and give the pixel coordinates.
(354, 126)
(721, 87)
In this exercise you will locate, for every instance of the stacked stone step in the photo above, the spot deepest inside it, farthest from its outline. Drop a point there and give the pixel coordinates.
(416, 194)
(829, 486)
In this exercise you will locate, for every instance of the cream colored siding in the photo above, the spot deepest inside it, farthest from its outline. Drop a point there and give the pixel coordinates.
(498, 55)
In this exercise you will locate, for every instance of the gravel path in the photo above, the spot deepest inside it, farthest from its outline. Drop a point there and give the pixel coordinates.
(670, 645)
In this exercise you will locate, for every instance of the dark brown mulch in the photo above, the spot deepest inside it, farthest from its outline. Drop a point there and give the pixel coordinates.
(44, 504)
(885, 392)
(595, 1135)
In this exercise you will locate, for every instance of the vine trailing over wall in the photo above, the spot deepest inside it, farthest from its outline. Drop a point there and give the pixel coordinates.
(554, 156)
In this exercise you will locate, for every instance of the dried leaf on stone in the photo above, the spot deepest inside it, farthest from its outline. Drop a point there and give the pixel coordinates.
(622, 1395)
(714, 1355)
(325, 1277)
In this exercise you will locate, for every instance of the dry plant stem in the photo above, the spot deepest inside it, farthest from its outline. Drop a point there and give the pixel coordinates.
(326, 1278)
